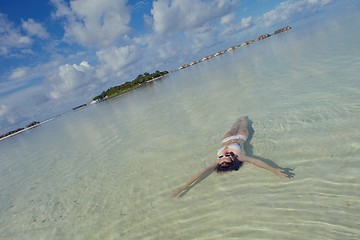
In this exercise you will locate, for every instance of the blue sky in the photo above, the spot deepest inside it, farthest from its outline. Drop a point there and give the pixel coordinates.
(58, 54)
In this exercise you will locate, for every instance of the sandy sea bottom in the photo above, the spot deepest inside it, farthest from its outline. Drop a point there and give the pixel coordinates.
(106, 172)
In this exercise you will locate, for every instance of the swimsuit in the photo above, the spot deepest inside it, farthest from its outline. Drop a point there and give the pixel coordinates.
(234, 146)
(234, 137)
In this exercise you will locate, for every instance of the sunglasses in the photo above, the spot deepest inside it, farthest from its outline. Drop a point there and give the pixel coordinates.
(226, 155)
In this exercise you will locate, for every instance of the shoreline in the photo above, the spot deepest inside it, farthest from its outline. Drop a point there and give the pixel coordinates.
(116, 91)
(26, 129)
(18, 132)
(129, 90)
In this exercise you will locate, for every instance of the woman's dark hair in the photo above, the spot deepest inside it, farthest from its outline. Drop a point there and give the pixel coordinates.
(231, 166)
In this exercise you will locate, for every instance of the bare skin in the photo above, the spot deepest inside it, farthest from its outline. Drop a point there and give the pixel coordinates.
(240, 127)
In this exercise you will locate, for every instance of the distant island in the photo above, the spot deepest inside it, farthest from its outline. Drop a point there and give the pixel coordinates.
(19, 130)
(78, 107)
(127, 86)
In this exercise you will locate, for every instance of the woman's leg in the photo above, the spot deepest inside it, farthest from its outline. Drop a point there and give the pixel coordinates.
(240, 127)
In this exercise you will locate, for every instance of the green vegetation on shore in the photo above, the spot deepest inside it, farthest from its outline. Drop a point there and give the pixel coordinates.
(30, 125)
(127, 86)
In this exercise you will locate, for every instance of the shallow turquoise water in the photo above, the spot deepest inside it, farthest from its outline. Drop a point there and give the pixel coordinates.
(106, 172)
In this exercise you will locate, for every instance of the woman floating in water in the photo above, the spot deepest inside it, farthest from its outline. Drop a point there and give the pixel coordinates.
(231, 156)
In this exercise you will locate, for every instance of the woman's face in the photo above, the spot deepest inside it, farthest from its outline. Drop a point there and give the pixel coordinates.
(223, 159)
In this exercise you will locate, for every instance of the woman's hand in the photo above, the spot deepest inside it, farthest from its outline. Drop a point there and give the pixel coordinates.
(177, 191)
(280, 173)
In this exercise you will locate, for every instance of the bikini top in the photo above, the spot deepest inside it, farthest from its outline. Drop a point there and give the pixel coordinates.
(234, 146)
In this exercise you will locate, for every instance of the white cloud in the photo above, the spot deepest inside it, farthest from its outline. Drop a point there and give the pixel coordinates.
(3, 110)
(22, 107)
(56, 89)
(246, 22)
(34, 29)
(192, 28)
(93, 22)
(148, 20)
(227, 19)
(18, 73)
(27, 51)
(289, 9)
(115, 60)
(179, 15)
(10, 37)
(166, 50)
(203, 37)
(72, 77)
(24, 40)
(232, 24)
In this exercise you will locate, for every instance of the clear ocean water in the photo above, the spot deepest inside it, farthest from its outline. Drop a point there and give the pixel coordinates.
(106, 172)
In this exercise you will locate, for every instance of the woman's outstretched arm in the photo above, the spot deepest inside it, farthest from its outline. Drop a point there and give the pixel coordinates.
(206, 171)
(264, 165)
